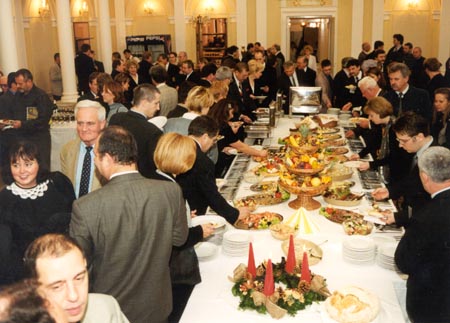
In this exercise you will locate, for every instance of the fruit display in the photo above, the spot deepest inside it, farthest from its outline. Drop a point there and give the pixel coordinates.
(303, 164)
(303, 182)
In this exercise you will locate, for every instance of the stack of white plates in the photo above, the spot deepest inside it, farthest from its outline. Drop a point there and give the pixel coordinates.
(235, 243)
(380, 240)
(386, 254)
(359, 250)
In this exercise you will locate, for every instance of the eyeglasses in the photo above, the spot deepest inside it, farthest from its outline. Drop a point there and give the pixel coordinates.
(404, 141)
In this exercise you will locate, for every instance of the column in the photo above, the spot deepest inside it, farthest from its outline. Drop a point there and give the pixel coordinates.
(66, 51)
(119, 7)
(105, 34)
(20, 35)
(261, 22)
(8, 47)
(180, 25)
(444, 35)
(357, 27)
(241, 23)
(377, 20)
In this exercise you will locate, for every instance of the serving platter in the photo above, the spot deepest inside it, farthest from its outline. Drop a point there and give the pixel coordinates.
(314, 252)
(259, 221)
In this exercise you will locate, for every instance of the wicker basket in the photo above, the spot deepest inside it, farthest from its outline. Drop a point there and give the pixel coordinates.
(305, 172)
(309, 190)
(304, 149)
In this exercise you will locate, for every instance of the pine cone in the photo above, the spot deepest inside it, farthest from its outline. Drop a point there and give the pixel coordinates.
(304, 286)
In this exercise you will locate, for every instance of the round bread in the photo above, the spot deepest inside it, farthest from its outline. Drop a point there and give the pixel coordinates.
(352, 305)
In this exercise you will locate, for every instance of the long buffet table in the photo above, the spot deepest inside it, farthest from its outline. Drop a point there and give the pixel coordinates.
(212, 300)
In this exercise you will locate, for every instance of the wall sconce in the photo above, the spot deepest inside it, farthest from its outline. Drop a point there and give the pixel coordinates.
(413, 4)
(44, 9)
(83, 8)
(148, 8)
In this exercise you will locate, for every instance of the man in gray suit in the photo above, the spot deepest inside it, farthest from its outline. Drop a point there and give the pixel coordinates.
(90, 118)
(57, 262)
(127, 230)
(169, 96)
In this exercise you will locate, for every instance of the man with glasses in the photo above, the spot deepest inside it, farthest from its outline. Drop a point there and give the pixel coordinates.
(199, 184)
(413, 135)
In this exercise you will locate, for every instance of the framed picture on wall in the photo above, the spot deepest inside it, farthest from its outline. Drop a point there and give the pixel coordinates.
(81, 33)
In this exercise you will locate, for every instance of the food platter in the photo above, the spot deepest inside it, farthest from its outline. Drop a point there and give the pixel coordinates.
(342, 197)
(357, 226)
(313, 251)
(331, 137)
(259, 221)
(264, 186)
(336, 150)
(338, 215)
(253, 201)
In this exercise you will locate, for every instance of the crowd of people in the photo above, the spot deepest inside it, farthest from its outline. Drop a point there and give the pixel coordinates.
(152, 137)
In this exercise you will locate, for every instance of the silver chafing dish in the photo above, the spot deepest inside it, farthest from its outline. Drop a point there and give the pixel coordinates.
(304, 100)
(258, 131)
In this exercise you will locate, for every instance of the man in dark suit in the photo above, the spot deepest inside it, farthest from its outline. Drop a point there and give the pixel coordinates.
(208, 75)
(172, 69)
(285, 81)
(99, 67)
(93, 88)
(413, 135)
(144, 68)
(146, 103)
(423, 252)
(395, 53)
(418, 76)
(340, 81)
(239, 93)
(199, 184)
(405, 97)
(188, 73)
(84, 66)
(305, 75)
(139, 220)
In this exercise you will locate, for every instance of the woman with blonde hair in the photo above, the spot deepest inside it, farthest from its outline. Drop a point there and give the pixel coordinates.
(219, 90)
(308, 51)
(390, 159)
(255, 70)
(175, 154)
(198, 102)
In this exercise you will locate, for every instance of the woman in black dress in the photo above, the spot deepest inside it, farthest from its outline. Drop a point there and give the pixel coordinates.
(233, 136)
(175, 154)
(33, 202)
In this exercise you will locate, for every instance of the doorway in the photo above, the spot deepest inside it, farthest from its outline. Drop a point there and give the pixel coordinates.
(314, 31)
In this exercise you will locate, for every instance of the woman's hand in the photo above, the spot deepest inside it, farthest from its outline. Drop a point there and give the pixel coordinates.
(354, 157)
(208, 229)
(235, 125)
(364, 166)
(262, 153)
(193, 214)
(349, 134)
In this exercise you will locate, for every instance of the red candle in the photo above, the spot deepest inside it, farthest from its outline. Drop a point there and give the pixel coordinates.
(269, 285)
(306, 275)
(251, 268)
(290, 263)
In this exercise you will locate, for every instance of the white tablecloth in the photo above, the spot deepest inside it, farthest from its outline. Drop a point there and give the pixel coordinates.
(61, 133)
(212, 300)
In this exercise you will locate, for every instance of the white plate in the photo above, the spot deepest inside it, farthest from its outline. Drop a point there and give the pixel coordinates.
(216, 220)
(382, 317)
(352, 164)
(232, 151)
(205, 250)
(236, 236)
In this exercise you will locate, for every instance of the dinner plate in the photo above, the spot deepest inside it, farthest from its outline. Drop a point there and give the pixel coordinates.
(382, 317)
(205, 250)
(315, 253)
(352, 164)
(217, 221)
(236, 236)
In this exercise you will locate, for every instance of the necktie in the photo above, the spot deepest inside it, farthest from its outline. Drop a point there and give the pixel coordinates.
(240, 87)
(400, 108)
(85, 173)
(414, 162)
(293, 81)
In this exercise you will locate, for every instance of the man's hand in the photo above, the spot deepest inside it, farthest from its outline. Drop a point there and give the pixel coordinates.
(243, 212)
(380, 193)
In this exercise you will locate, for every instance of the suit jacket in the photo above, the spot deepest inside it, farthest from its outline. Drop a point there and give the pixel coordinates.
(146, 135)
(415, 99)
(306, 78)
(411, 188)
(339, 83)
(69, 160)
(326, 83)
(200, 189)
(173, 71)
(424, 254)
(269, 78)
(284, 84)
(168, 99)
(84, 66)
(103, 308)
(144, 71)
(99, 66)
(245, 104)
(127, 230)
